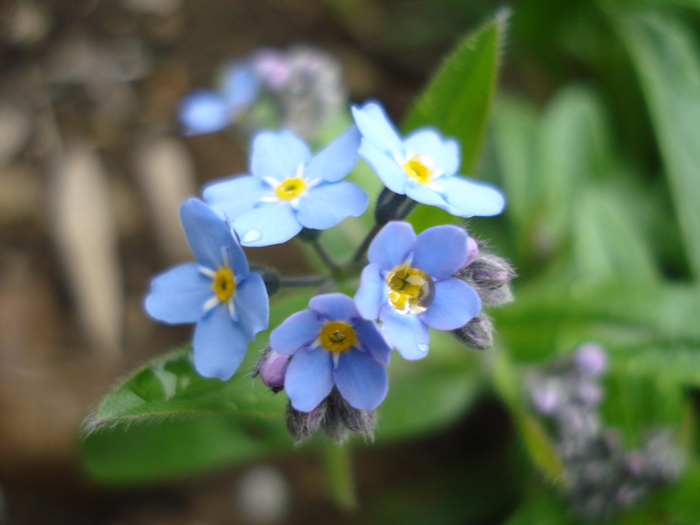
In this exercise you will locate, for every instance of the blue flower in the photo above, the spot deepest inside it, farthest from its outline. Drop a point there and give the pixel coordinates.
(423, 166)
(208, 110)
(409, 286)
(218, 292)
(331, 345)
(288, 189)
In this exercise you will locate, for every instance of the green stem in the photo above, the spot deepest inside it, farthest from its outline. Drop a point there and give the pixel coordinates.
(324, 255)
(341, 484)
(303, 280)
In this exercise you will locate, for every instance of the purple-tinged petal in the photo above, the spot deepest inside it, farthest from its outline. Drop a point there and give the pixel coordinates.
(232, 197)
(385, 166)
(361, 380)
(268, 223)
(326, 205)
(203, 111)
(334, 306)
(206, 232)
(278, 155)
(392, 245)
(309, 378)
(372, 340)
(375, 126)
(372, 292)
(440, 251)
(337, 159)
(444, 152)
(178, 295)
(466, 198)
(405, 332)
(219, 344)
(252, 305)
(272, 368)
(455, 304)
(298, 330)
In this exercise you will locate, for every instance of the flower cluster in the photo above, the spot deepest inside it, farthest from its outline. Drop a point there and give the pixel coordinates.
(331, 359)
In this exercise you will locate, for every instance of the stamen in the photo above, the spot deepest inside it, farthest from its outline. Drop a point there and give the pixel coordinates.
(420, 168)
(291, 188)
(337, 336)
(411, 291)
(224, 284)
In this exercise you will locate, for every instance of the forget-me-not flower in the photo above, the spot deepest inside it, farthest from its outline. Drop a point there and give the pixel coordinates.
(408, 285)
(218, 292)
(422, 166)
(289, 189)
(332, 345)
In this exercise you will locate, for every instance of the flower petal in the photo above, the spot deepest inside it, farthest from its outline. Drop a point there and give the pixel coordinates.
(372, 293)
(425, 195)
(178, 295)
(334, 306)
(375, 126)
(298, 330)
(267, 224)
(326, 205)
(337, 159)
(455, 304)
(203, 111)
(361, 380)
(392, 245)
(372, 340)
(252, 304)
(385, 166)
(440, 251)
(219, 344)
(405, 332)
(278, 155)
(233, 197)
(240, 86)
(467, 198)
(309, 378)
(444, 152)
(206, 232)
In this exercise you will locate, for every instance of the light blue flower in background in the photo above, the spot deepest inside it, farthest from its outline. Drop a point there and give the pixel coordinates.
(331, 345)
(409, 286)
(289, 189)
(228, 303)
(422, 166)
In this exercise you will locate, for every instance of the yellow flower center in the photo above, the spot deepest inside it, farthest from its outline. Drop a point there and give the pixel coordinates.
(290, 188)
(420, 168)
(337, 336)
(411, 291)
(224, 285)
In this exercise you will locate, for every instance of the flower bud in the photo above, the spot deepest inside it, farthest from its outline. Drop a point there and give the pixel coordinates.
(302, 424)
(271, 368)
(477, 333)
(392, 206)
(490, 276)
(342, 418)
(473, 248)
(270, 278)
(590, 360)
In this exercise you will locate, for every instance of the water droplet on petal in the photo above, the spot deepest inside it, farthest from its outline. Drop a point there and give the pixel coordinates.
(423, 347)
(251, 236)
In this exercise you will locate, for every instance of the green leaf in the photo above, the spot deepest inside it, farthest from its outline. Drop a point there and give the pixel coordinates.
(458, 99)
(542, 507)
(665, 53)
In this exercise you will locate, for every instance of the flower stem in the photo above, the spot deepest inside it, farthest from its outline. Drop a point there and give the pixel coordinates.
(338, 463)
(324, 255)
(303, 280)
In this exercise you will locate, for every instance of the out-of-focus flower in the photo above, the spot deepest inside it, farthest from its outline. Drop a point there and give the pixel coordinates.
(228, 303)
(409, 286)
(289, 190)
(422, 167)
(332, 346)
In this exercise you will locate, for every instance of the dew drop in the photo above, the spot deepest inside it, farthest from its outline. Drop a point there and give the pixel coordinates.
(251, 236)
(423, 347)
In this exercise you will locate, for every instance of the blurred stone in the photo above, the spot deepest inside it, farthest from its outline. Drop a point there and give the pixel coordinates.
(15, 129)
(21, 194)
(153, 7)
(28, 23)
(263, 495)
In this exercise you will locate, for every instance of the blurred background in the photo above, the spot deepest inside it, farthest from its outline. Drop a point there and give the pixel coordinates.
(593, 138)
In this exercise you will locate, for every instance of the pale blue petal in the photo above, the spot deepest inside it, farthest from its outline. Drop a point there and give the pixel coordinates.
(203, 111)
(219, 344)
(372, 292)
(326, 205)
(298, 330)
(385, 166)
(425, 195)
(334, 306)
(445, 152)
(337, 159)
(467, 198)
(361, 380)
(207, 234)
(440, 251)
(372, 340)
(178, 295)
(309, 378)
(252, 305)
(240, 86)
(405, 332)
(375, 126)
(232, 197)
(267, 224)
(455, 304)
(392, 245)
(278, 155)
